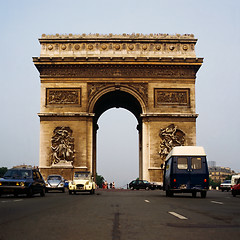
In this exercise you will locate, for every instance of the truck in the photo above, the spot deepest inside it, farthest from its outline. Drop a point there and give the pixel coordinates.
(186, 171)
(234, 179)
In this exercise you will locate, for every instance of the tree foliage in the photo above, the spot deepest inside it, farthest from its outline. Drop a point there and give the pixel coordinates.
(213, 183)
(99, 180)
(3, 170)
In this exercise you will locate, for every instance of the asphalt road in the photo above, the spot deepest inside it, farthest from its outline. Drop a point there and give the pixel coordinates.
(120, 214)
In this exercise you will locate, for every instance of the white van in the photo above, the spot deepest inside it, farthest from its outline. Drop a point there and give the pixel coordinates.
(234, 179)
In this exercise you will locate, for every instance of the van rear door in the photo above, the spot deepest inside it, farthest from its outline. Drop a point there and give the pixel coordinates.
(198, 172)
(190, 172)
(181, 173)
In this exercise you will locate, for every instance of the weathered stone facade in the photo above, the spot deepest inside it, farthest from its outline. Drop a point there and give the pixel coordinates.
(153, 76)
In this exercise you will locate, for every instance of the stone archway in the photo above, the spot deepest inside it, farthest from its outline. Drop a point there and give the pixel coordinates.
(153, 76)
(120, 98)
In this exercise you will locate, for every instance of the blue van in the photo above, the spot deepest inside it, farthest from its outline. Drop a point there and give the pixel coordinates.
(186, 171)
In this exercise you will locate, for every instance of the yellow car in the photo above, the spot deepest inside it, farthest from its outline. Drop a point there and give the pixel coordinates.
(82, 182)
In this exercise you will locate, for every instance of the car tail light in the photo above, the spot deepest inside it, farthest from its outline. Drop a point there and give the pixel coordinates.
(205, 180)
(174, 180)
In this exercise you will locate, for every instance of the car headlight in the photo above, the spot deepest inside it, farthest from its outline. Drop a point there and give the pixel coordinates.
(22, 184)
(87, 183)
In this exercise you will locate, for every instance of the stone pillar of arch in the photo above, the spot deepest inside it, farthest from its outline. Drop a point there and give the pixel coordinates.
(153, 76)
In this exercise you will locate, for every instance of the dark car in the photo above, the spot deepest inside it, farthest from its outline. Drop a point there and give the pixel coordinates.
(22, 181)
(141, 184)
(236, 188)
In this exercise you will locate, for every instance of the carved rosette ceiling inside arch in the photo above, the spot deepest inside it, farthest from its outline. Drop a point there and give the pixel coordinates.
(139, 88)
(171, 137)
(62, 146)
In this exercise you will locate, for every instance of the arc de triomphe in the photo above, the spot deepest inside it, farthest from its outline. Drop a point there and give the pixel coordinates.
(153, 76)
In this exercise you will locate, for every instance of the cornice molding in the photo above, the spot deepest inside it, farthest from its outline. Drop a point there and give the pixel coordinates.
(169, 115)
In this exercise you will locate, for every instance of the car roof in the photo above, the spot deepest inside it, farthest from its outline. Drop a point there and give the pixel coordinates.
(186, 151)
(21, 168)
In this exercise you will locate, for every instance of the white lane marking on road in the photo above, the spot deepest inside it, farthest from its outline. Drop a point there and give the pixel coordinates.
(178, 215)
(147, 201)
(18, 200)
(216, 202)
(3, 201)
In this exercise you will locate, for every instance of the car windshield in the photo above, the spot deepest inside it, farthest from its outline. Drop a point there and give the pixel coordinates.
(78, 175)
(18, 173)
(227, 181)
(54, 178)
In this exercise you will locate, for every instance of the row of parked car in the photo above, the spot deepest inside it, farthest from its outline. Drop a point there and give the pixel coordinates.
(30, 181)
(232, 185)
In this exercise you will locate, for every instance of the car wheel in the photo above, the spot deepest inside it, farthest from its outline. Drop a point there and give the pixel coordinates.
(147, 188)
(92, 191)
(203, 194)
(30, 192)
(70, 192)
(234, 193)
(63, 190)
(169, 193)
(15, 195)
(46, 190)
(42, 193)
(194, 194)
(132, 188)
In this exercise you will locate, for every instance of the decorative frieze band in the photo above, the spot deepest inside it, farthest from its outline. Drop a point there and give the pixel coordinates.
(117, 71)
(63, 96)
(123, 44)
(154, 48)
(169, 96)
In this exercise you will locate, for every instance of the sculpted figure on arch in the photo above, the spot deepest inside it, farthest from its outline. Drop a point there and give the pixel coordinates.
(62, 145)
(171, 136)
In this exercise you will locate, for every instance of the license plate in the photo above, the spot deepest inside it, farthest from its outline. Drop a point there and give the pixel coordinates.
(183, 186)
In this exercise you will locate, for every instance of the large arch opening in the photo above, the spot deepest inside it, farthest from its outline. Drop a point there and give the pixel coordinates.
(117, 147)
(104, 108)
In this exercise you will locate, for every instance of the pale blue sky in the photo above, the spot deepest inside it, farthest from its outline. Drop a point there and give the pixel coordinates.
(214, 22)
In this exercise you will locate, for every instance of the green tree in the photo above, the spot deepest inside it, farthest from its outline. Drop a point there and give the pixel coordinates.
(99, 180)
(3, 170)
(213, 183)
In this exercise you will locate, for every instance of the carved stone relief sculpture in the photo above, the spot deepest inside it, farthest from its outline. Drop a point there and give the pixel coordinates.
(171, 136)
(140, 88)
(64, 96)
(171, 97)
(62, 147)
